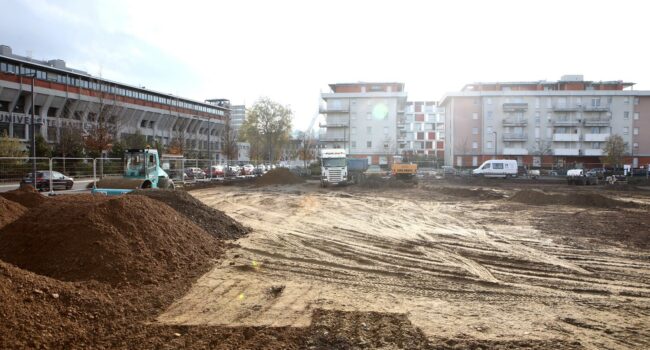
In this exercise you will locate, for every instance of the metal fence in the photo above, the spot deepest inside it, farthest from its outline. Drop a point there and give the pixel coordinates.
(180, 170)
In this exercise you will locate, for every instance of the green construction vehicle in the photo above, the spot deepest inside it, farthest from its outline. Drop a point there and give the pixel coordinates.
(141, 171)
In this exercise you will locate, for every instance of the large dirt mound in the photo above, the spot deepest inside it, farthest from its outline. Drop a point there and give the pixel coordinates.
(10, 211)
(279, 176)
(575, 199)
(25, 195)
(126, 239)
(41, 312)
(213, 221)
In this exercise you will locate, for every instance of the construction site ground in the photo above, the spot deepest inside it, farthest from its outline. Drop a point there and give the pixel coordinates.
(464, 262)
(443, 264)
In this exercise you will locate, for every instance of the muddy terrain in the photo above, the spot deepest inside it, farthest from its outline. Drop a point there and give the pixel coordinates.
(463, 263)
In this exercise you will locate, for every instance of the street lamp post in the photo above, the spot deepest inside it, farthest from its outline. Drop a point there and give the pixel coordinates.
(33, 128)
(495, 144)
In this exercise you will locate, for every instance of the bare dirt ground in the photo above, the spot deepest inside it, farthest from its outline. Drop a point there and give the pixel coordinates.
(464, 268)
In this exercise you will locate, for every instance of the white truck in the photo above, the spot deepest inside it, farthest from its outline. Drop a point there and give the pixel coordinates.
(497, 168)
(581, 177)
(333, 166)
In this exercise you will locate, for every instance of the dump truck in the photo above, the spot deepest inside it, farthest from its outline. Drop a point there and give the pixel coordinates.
(337, 169)
(141, 171)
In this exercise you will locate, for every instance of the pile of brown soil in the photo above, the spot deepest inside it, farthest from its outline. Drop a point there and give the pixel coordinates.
(10, 211)
(213, 221)
(39, 312)
(376, 182)
(25, 195)
(473, 193)
(126, 239)
(279, 176)
(575, 199)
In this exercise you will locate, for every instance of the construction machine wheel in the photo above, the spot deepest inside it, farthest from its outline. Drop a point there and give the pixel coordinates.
(165, 184)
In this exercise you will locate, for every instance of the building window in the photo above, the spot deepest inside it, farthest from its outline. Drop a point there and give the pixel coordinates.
(636, 145)
(626, 130)
(635, 131)
(537, 118)
(595, 145)
(420, 136)
(536, 132)
(636, 115)
(549, 103)
(368, 130)
(353, 144)
(385, 130)
(595, 102)
(385, 145)
(143, 123)
(489, 145)
(368, 116)
(636, 100)
(474, 161)
(626, 100)
(488, 130)
(537, 102)
(474, 131)
(475, 116)
(489, 114)
(474, 145)
(353, 116)
(626, 115)
(353, 130)
(369, 144)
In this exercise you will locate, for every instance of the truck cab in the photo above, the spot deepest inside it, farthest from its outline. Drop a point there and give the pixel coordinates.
(334, 169)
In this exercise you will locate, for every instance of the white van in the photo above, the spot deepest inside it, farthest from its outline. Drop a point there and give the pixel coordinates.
(497, 168)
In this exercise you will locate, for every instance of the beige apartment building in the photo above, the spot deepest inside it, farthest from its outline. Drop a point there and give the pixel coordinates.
(545, 123)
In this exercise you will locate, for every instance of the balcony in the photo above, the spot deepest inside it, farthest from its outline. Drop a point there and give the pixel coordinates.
(332, 139)
(565, 108)
(566, 152)
(597, 121)
(593, 152)
(596, 109)
(565, 122)
(333, 109)
(515, 106)
(596, 137)
(515, 151)
(334, 125)
(515, 122)
(566, 137)
(515, 137)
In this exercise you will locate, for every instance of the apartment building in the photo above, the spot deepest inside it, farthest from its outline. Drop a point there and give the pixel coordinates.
(237, 116)
(545, 123)
(362, 118)
(421, 130)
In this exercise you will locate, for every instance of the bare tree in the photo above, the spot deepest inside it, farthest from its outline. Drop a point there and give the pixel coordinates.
(614, 150)
(229, 141)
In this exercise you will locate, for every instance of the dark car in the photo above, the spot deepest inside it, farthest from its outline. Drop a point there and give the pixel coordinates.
(59, 180)
(597, 172)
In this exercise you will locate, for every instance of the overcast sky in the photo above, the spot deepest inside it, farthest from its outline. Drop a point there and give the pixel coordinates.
(290, 50)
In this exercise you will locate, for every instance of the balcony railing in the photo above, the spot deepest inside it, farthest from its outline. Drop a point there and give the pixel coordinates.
(566, 137)
(333, 109)
(566, 108)
(566, 152)
(596, 109)
(565, 122)
(515, 106)
(332, 139)
(515, 122)
(597, 121)
(515, 137)
(596, 137)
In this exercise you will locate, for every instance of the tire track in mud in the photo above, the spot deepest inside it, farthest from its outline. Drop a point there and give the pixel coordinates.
(409, 256)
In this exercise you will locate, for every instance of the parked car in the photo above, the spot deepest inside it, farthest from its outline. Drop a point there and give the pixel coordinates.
(448, 170)
(194, 173)
(262, 167)
(581, 177)
(43, 180)
(216, 171)
(248, 169)
(597, 172)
